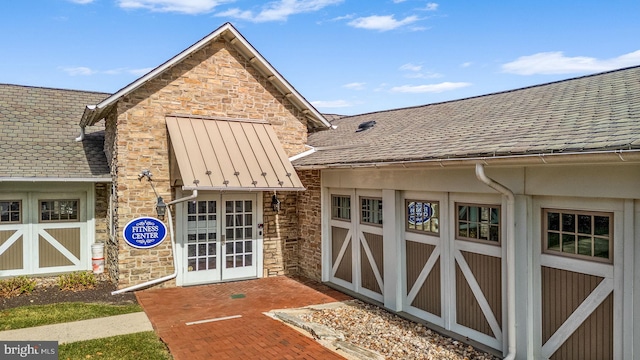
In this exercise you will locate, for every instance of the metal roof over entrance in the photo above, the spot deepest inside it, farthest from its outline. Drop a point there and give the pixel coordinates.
(230, 154)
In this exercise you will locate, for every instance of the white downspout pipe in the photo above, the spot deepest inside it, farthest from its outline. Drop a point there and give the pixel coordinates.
(193, 195)
(511, 254)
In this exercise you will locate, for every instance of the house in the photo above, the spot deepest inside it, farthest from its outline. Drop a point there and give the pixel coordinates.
(508, 220)
(513, 213)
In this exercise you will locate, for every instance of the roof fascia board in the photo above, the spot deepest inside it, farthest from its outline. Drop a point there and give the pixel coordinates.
(90, 114)
(38, 180)
(599, 157)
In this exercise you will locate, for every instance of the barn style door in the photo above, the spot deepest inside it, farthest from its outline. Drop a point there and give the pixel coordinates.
(576, 278)
(43, 233)
(357, 243)
(423, 249)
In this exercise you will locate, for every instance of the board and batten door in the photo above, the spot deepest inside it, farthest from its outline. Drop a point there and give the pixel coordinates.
(341, 239)
(357, 242)
(424, 229)
(478, 233)
(580, 249)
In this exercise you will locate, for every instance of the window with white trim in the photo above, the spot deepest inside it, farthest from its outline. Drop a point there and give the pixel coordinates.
(371, 211)
(478, 223)
(422, 216)
(341, 207)
(581, 234)
(10, 211)
(59, 210)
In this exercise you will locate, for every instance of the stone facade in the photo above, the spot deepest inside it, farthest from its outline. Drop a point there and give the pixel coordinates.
(215, 81)
(310, 225)
(280, 235)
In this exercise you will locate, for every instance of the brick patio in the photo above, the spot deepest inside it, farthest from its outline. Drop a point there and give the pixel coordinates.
(251, 336)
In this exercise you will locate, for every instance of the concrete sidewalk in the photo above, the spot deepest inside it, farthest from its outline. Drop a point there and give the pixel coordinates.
(82, 330)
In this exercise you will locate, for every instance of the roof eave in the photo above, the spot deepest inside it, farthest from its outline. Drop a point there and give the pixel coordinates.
(592, 157)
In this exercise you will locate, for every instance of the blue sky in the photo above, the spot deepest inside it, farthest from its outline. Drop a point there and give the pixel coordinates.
(344, 56)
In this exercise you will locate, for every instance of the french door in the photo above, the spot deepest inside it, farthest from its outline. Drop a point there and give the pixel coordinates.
(219, 238)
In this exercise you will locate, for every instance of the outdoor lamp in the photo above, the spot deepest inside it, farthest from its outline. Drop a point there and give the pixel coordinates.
(161, 208)
(275, 203)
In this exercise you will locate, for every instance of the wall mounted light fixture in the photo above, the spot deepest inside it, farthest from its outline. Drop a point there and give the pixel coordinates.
(275, 203)
(161, 208)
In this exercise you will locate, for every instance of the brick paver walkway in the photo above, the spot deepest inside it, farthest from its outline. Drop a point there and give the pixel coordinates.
(251, 336)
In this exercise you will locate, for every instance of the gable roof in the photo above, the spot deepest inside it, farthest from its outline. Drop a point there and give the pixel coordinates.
(39, 126)
(588, 114)
(94, 113)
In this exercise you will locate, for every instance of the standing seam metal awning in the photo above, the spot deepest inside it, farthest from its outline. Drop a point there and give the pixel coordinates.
(216, 154)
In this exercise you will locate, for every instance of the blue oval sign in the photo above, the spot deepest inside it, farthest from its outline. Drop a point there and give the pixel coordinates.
(419, 213)
(144, 232)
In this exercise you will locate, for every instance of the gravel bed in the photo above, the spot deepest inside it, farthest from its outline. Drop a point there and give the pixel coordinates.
(393, 337)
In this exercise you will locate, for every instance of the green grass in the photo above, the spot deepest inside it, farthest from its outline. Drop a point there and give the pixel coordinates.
(37, 315)
(139, 346)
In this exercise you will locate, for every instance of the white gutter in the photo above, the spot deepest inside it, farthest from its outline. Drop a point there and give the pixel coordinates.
(51, 179)
(511, 266)
(81, 137)
(173, 251)
(303, 154)
(554, 158)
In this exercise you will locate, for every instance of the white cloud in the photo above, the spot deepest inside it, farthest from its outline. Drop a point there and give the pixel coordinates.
(432, 88)
(466, 64)
(431, 7)
(79, 71)
(331, 104)
(398, 1)
(179, 6)
(557, 63)
(414, 72)
(426, 75)
(279, 10)
(411, 67)
(85, 71)
(354, 85)
(139, 72)
(381, 23)
(82, 2)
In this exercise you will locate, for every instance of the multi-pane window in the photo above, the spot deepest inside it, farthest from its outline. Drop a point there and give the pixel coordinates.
(10, 211)
(341, 207)
(371, 211)
(422, 216)
(59, 210)
(478, 222)
(578, 233)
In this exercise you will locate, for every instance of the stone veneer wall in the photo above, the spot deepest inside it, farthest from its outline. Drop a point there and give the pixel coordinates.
(310, 225)
(111, 246)
(280, 238)
(215, 81)
(102, 216)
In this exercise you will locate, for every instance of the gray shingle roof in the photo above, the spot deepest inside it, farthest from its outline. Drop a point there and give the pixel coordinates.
(585, 114)
(38, 127)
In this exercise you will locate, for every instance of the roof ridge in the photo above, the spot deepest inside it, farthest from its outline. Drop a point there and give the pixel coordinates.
(54, 88)
(494, 93)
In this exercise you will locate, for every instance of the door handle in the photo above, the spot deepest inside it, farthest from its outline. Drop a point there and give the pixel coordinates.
(223, 238)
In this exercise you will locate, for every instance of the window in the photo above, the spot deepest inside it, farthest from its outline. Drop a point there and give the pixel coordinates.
(371, 211)
(59, 210)
(478, 222)
(10, 211)
(422, 216)
(578, 234)
(341, 207)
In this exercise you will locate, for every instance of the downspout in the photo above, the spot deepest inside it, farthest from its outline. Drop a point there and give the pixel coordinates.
(193, 195)
(511, 254)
